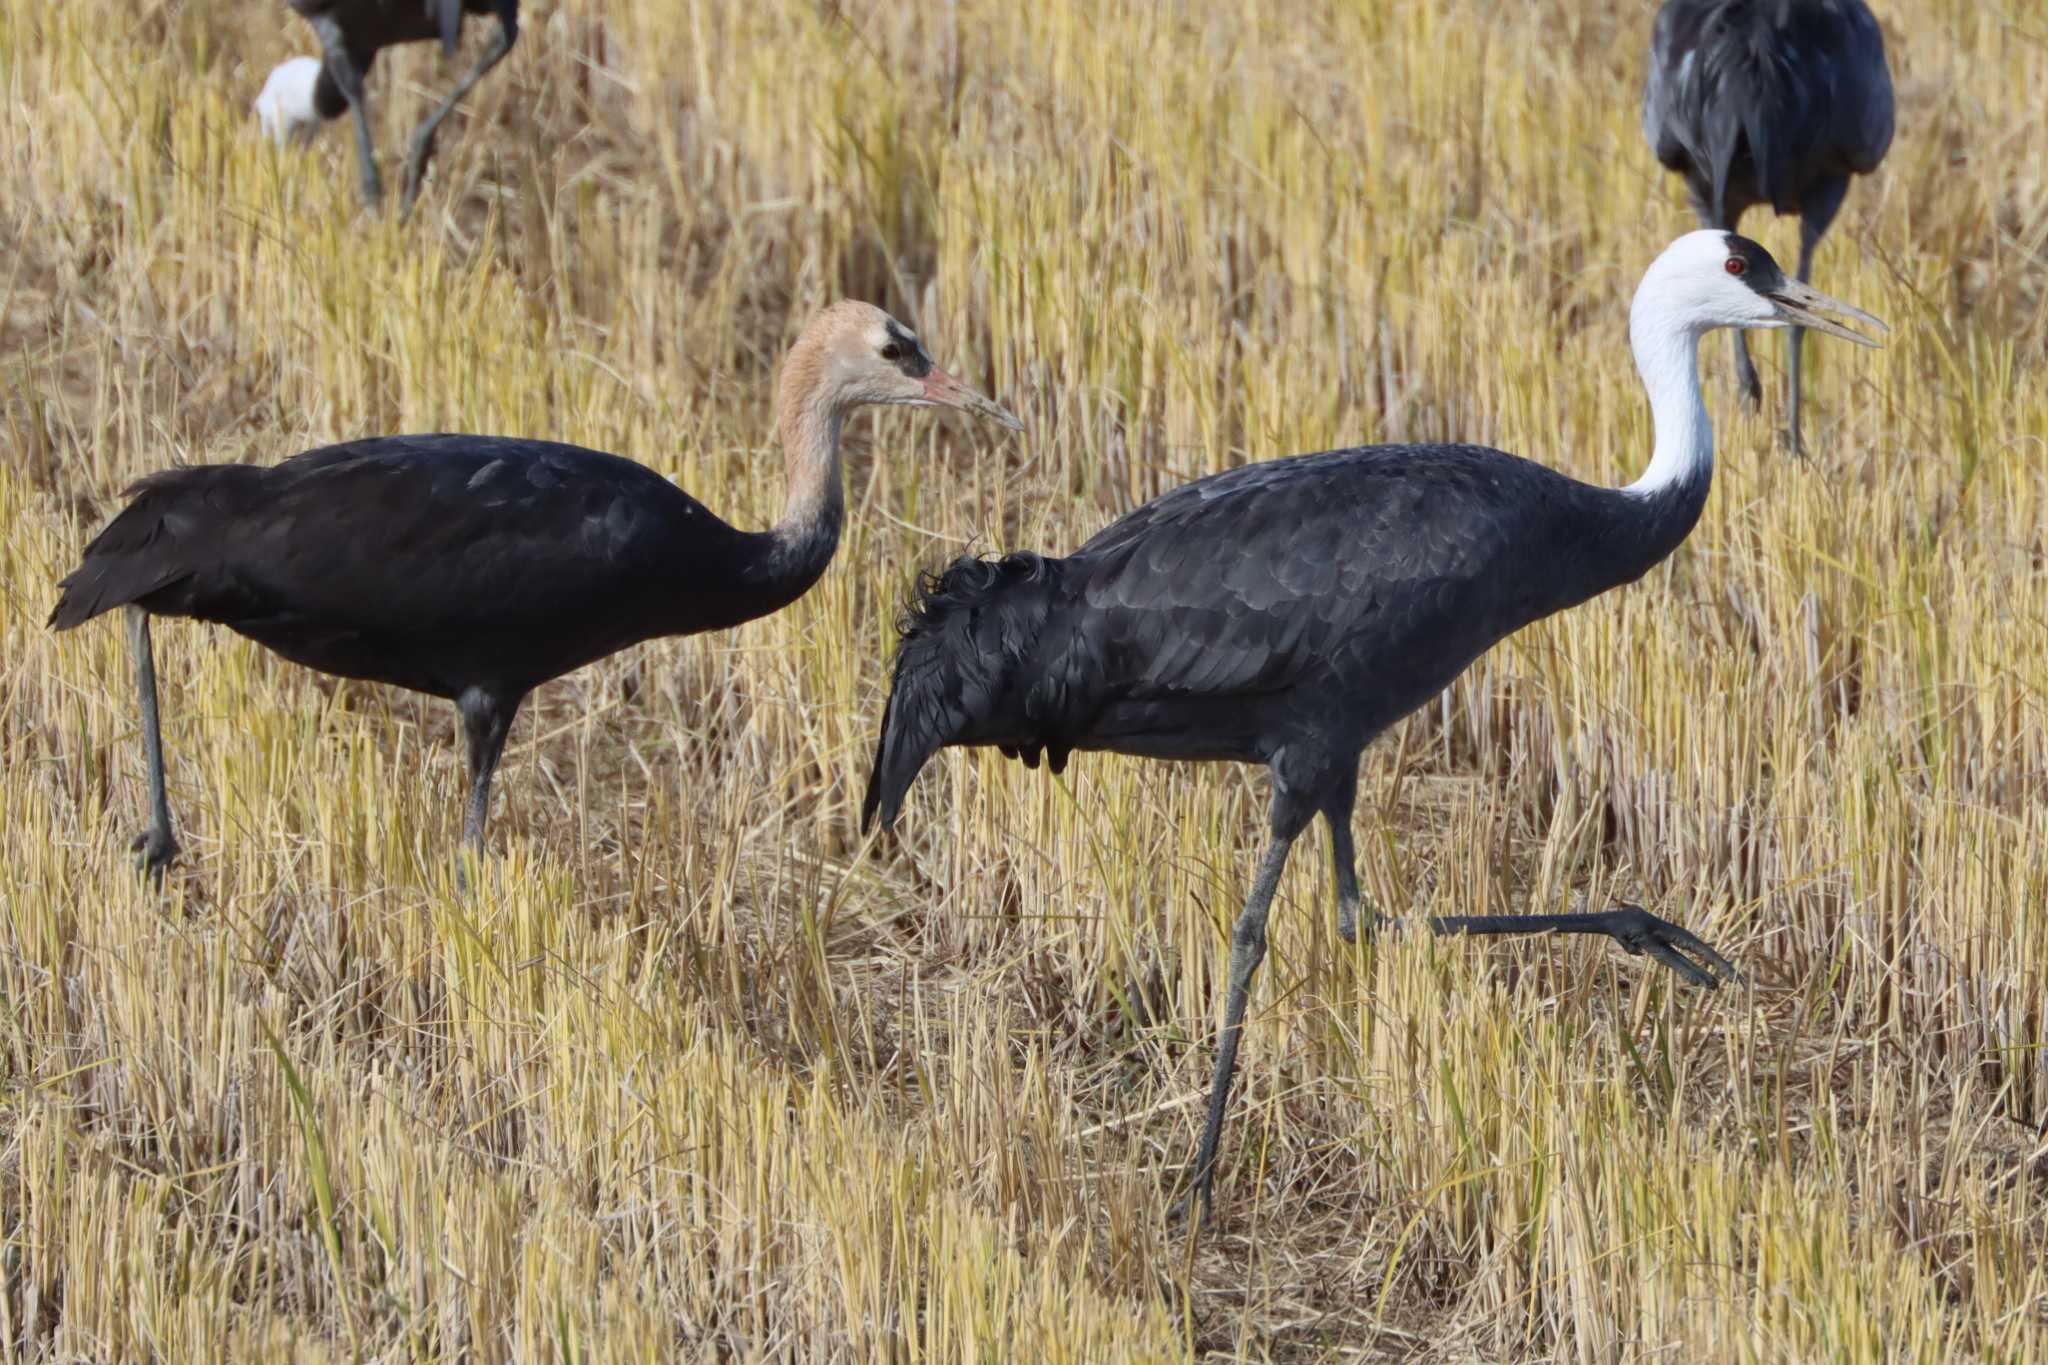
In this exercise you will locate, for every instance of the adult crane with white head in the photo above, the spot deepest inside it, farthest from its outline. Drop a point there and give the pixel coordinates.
(304, 92)
(478, 567)
(1286, 613)
(1774, 103)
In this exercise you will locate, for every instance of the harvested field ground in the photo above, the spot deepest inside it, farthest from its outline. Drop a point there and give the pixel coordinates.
(699, 1073)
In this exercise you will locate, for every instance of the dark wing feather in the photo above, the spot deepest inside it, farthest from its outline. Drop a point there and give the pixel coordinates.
(1387, 559)
(1755, 101)
(464, 533)
(1672, 97)
(1862, 131)
(433, 562)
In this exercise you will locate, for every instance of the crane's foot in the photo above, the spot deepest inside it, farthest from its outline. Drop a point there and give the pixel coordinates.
(372, 187)
(155, 849)
(1640, 932)
(1197, 1197)
(415, 171)
(409, 195)
(472, 867)
(1348, 917)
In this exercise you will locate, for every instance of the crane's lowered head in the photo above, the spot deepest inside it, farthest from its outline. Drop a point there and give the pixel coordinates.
(285, 106)
(854, 353)
(1712, 278)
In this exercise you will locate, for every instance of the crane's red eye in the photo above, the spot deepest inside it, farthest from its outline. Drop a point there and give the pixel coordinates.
(1735, 265)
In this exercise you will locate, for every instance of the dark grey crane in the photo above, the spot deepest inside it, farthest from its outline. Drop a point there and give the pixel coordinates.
(302, 93)
(1286, 613)
(1774, 103)
(478, 567)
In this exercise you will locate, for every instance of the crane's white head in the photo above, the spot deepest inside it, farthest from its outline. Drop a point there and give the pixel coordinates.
(1712, 278)
(854, 353)
(284, 107)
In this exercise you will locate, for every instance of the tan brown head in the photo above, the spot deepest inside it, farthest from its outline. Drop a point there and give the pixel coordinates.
(854, 353)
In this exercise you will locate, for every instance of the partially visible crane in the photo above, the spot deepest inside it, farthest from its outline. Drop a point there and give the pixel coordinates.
(1286, 613)
(298, 95)
(1768, 102)
(479, 567)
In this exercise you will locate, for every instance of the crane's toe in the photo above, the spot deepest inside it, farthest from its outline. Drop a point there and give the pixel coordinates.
(1197, 1196)
(1351, 913)
(1639, 931)
(416, 159)
(155, 849)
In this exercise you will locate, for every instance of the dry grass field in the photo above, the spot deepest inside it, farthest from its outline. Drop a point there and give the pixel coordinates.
(697, 1072)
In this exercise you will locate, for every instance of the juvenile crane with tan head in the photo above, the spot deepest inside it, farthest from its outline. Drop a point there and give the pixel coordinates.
(478, 567)
(1287, 613)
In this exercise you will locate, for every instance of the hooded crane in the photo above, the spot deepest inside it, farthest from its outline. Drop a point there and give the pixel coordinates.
(303, 92)
(1768, 102)
(1286, 613)
(478, 567)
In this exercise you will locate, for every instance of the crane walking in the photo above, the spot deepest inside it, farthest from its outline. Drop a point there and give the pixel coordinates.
(1768, 102)
(303, 92)
(1286, 613)
(478, 567)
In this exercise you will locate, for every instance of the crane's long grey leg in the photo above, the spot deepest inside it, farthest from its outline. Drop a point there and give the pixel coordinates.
(158, 846)
(486, 721)
(348, 78)
(1247, 950)
(1814, 216)
(1746, 382)
(1344, 862)
(1715, 215)
(1633, 927)
(1344, 871)
(423, 136)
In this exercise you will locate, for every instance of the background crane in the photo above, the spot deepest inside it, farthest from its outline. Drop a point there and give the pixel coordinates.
(296, 97)
(1768, 102)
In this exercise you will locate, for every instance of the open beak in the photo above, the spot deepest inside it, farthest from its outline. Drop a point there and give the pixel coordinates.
(940, 387)
(1801, 305)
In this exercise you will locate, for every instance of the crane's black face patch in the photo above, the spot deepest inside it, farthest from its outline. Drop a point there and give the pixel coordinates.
(902, 351)
(1757, 269)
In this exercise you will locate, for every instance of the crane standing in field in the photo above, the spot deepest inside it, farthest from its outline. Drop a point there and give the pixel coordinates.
(478, 567)
(1286, 613)
(1771, 102)
(303, 92)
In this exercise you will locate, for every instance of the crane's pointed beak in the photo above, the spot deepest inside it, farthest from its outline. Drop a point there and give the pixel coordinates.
(1801, 305)
(940, 387)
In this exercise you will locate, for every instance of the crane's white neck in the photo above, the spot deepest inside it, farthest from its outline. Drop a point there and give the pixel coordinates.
(1667, 347)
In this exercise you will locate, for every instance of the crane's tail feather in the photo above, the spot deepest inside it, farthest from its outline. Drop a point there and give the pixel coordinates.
(152, 545)
(967, 645)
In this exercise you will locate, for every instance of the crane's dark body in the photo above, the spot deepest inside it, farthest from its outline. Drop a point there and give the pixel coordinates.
(467, 567)
(1771, 103)
(353, 32)
(1285, 614)
(436, 563)
(1282, 613)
